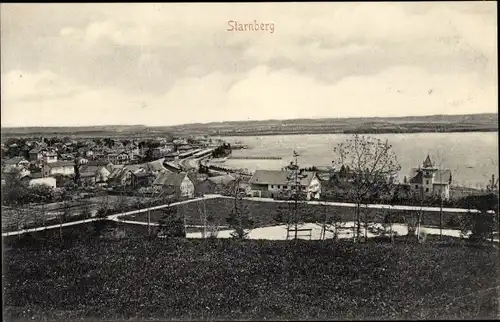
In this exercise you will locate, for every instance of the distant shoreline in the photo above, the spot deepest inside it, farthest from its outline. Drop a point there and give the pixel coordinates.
(229, 134)
(484, 122)
(93, 134)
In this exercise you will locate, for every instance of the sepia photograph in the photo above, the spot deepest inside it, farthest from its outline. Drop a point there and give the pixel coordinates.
(250, 161)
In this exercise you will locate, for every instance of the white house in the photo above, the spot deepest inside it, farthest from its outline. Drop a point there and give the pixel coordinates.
(272, 183)
(61, 167)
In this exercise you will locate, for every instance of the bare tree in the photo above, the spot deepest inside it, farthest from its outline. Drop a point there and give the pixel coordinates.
(210, 228)
(239, 219)
(297, 194)
(371, 170)
(64, 215)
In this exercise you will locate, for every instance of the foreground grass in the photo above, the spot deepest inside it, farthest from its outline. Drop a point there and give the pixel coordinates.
(263, 213)
(226, 279)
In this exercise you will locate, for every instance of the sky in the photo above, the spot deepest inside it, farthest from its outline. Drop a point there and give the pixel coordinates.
(166, 64)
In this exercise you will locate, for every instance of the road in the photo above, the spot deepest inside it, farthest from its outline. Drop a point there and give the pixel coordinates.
(115, 217)
(52, 211)
(369, 206)
(111, 217)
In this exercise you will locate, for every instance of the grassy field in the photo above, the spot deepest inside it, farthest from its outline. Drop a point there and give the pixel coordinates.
(263, 213)
(50, 214)
(134, 278)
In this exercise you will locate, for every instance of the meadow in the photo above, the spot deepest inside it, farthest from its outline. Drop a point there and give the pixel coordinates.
(263, 213)
(136, 278)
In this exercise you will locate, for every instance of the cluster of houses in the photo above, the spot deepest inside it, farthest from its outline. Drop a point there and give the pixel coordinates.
(101, 162)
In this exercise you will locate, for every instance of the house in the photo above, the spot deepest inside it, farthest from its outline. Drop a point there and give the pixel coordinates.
(111, 157)
(89, 154)
(36, 154)
(66, 168)
(47, 181)
(123, 176)
(119, 158)
(15, 171)
(142, 179)
(89, 174)
(82, 161)
(94, 172)
(119, 178)
(99, 156)
(428, 180)
(43, 154)
(59, 146)
(16, 161)
(160, 152)
(102, 174)
(178, 182)
(272, 183)
(180, 141)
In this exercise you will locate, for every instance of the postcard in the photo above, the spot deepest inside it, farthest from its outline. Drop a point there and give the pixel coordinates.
(250, 161)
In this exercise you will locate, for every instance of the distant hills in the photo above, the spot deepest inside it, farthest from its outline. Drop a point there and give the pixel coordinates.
(409, 124)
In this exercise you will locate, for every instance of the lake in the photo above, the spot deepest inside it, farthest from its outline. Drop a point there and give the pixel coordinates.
(472, 156)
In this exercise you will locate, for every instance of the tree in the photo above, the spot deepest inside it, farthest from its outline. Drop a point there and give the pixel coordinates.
(210, 228)
(372, 169)
(77, 166)
(171, 224)
(66, 212)
(149, 155)
(239, 219)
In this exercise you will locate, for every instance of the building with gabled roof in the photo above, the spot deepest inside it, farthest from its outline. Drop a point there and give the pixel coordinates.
(429, 180)
(66, 168)
(17, 161)
(179, 183)
(272, 183)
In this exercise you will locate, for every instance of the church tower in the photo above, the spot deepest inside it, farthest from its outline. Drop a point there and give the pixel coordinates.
(428, 172)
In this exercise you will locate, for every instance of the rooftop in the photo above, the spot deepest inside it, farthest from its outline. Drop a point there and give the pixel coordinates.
(278, 177)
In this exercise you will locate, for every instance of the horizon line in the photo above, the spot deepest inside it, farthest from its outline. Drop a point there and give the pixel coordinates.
(241, 121)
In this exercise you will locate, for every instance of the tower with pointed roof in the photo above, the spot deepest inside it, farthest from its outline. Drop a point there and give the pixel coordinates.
(428, 173)
(428, 180)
